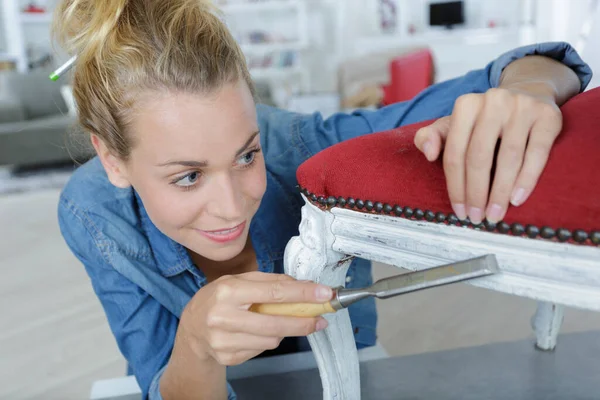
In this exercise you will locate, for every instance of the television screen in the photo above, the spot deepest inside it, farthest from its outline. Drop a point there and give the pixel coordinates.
(446, 13)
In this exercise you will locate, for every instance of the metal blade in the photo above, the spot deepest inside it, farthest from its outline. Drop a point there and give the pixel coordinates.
(419, 280)
(437, 276)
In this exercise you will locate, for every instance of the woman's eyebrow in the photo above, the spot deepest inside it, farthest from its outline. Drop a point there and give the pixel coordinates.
(246, 145)
(204, 164)
(185, 163)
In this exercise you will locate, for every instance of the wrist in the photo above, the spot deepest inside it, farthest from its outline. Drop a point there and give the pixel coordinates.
(542, 89)
(541, 77)
(190, 370)
(187, 343)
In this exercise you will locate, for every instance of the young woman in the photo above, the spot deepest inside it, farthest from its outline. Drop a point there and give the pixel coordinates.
(182, 219)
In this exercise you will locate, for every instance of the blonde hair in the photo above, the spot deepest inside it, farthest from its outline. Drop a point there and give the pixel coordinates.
(128, 47)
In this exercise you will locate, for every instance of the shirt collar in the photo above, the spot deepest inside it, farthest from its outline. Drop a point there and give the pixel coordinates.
(172, 258)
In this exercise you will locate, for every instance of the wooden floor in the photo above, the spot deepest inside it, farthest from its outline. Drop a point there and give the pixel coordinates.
(54, 340)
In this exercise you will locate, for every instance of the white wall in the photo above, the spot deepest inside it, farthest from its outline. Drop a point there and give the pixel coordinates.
(355, 20)
(590, 52)
(2, 39)
(337, 27)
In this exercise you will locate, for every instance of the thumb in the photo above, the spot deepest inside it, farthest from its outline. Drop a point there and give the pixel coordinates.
(430, 139)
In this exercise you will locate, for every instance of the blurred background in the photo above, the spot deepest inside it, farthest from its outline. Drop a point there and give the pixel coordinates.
(305, 55)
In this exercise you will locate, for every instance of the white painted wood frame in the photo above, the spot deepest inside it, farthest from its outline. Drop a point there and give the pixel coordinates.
(556, 274)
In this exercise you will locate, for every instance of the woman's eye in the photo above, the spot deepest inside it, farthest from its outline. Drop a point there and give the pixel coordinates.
(248, 158)
(189, 179)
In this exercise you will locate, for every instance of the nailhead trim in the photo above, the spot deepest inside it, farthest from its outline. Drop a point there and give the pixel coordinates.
(490, 226)
(429, 215)
(516, 229)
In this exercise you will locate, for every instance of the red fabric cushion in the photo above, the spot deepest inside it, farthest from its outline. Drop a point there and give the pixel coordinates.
(387, 168)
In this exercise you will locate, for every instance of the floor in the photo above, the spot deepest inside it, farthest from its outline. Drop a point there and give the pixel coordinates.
(54, 341)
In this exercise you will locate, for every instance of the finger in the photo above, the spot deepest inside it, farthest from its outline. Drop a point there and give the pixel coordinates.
(508, 165)
(269, 276)
(282, 290)
(269, 325)
(479, 160)
(430, 139)
(464, 115)
(235, 358)
(543, 134)
(266, 276)
(223, 342)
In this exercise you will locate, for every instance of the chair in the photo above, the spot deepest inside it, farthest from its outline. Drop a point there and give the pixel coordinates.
(410, 74)
(376, 197)
(365, 81)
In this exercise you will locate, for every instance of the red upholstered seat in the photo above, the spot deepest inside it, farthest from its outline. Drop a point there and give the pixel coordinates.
(385, 173)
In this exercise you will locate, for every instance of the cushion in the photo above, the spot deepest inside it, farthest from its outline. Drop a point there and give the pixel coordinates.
(385, 173)
(11, 110)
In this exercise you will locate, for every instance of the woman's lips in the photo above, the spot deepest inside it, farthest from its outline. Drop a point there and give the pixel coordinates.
(224, 235)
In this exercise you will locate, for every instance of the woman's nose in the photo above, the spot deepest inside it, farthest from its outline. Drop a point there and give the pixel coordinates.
(227, 201)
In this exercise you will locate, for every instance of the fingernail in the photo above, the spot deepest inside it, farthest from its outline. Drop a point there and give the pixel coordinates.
(459, 210)
(321, 324)
(518, 197)
(475, 215)
(428, 150)
(324, 293)
(494, 212)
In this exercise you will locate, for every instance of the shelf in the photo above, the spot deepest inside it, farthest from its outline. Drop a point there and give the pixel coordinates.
(451, 39)
(270, 5)
(36, 18)
(463, 34)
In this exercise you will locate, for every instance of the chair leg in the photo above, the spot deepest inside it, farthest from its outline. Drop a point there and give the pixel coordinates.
(310, 256)
(546, 322)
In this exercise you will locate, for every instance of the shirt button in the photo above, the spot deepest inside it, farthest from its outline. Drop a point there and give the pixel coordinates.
(348, 279)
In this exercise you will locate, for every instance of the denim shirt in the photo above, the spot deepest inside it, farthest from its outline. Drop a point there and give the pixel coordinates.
(144, 279)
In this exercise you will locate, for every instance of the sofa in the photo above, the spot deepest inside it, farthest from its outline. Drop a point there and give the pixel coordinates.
(36, 126)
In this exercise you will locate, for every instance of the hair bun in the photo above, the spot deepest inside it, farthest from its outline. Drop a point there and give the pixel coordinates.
(83, 27)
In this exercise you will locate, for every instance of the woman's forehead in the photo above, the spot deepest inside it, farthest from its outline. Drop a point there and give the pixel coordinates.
(179, 125)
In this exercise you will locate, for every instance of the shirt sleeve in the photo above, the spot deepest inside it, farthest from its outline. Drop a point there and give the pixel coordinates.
(144, 330)
(310, 134)
(559, 51)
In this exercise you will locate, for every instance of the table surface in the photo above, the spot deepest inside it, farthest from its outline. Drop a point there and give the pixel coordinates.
(514, 370)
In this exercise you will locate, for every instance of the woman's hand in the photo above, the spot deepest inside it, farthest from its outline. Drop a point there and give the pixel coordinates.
(217, 325)
(524, 113)
(527, 120)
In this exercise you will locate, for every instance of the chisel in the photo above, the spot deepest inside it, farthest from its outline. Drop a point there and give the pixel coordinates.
(388, 287)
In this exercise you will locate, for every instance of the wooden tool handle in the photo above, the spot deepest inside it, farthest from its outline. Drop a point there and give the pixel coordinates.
(293, 309)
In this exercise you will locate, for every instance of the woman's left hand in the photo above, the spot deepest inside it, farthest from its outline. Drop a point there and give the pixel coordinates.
(526, 119)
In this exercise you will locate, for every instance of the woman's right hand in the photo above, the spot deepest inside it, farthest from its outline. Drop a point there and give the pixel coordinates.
(217, 325)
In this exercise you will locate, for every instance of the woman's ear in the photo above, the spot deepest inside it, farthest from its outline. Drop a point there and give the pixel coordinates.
(114, 167)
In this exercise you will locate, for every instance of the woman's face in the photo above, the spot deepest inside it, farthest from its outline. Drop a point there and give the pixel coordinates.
(197, 165)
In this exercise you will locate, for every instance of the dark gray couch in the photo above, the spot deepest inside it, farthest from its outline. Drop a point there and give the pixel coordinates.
(35, 126)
